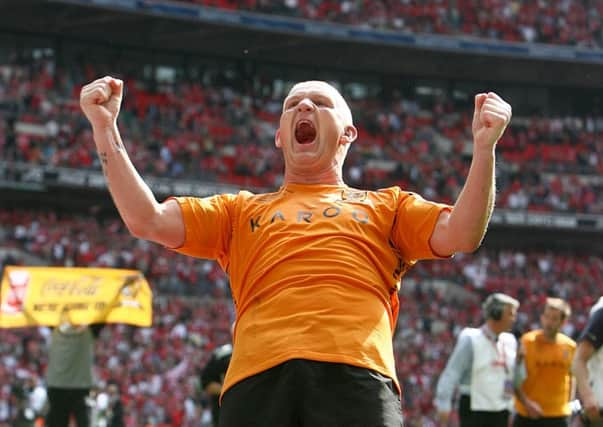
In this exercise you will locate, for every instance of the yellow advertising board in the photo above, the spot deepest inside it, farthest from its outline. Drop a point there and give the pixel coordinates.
(49, 296)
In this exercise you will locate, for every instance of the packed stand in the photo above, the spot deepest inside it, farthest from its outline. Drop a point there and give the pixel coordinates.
(562, 22)
(221, 129)
(156, 368)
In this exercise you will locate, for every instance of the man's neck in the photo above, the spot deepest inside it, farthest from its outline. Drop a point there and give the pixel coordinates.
(494, 327)
(549, 336)
(328, 178)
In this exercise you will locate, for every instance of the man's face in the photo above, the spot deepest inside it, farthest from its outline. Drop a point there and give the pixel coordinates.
(509, 316)
(551, 320)
(315, 126)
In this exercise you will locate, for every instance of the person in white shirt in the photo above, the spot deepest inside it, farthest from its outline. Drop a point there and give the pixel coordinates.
(481, 366)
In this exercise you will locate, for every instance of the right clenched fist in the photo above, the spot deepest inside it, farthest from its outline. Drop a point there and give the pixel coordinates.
(100, 101)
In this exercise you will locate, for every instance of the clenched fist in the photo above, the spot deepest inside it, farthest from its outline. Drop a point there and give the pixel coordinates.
(100, 101)
(490, 119)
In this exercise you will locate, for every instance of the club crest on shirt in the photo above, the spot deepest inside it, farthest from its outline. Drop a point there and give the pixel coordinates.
(353, 196)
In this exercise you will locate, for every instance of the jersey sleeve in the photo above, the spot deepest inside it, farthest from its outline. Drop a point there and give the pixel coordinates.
(208, 226)
(414, 224)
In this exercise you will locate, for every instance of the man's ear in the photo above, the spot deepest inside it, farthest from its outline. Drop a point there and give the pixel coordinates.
(277, 139)
(350, 133)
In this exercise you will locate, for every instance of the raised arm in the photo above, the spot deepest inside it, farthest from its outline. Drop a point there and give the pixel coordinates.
(463, 229)
(143, 215)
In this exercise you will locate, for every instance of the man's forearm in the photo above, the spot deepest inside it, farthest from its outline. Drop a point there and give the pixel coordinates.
(521, 396)
(580, 372)
(572, 388)
(131, 195)
(469, 218)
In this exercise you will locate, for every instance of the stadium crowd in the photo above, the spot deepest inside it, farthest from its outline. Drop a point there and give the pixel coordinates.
(222, 129)
(564, 22)
(157, 368)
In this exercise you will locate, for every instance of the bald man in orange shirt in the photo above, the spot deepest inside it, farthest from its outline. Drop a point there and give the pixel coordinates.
(314, 267)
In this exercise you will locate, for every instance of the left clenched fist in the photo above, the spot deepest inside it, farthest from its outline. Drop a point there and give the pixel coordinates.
(490, 119)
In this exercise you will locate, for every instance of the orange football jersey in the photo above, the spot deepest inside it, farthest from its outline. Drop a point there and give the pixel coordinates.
(314, 270)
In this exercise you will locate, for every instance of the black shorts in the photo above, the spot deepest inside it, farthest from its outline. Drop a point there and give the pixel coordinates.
(305, 393)
(521, 421)
(470, 418)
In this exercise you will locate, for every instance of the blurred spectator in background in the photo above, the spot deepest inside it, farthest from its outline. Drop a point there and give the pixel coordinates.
(109, 407)
(543, 380)
(588, 367)
(69, 375)
(30, 400)
(212, 378)
(482, 366)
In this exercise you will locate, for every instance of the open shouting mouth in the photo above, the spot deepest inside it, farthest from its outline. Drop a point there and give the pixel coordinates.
(305, 132)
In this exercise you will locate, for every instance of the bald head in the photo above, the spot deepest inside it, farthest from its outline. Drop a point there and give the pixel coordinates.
(318, 86)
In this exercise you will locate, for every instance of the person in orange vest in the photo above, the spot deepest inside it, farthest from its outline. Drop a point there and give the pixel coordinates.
(543, 380)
